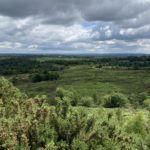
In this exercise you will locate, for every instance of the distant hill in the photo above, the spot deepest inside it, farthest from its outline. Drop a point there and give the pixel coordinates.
(76, 55)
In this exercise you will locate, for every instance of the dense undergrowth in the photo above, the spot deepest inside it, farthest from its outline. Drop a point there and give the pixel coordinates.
(30, 124)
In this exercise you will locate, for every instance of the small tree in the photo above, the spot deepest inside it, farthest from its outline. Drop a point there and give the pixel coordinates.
(115, 100)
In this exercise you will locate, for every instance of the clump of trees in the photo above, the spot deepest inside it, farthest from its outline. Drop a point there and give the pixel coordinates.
(46, 76)
(27, 65)
(30, 64)
(115, 100)
(74, 98)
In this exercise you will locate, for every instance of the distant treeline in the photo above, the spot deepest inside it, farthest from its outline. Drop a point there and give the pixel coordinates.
(26, 65)
(20, 65)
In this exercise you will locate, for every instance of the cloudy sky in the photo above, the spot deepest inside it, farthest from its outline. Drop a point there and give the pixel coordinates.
(74, 26)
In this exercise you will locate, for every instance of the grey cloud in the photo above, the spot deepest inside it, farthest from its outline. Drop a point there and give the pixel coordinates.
(64, 11)
(136, 22)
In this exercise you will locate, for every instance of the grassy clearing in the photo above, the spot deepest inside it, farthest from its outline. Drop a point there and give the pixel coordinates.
(87, 80)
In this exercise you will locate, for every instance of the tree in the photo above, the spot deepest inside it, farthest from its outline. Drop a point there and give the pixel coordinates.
(45, 76)
(115, 100)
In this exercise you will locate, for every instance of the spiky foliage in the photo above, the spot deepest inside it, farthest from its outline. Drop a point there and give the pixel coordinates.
(31, 124)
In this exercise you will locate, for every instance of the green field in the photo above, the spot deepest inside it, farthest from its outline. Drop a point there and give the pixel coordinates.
(88, 80)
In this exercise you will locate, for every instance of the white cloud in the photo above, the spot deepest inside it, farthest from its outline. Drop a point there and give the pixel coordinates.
(10, 45)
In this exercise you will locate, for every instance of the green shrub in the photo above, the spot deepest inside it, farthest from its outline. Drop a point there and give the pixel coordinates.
(115, 100)
(146, 104)
(60, 92)
(119, 115)
(73, 97)
(87, 101)
(137, 126)
(74, 100)
(33, 124)
(141, 97)
(79, 144)
(97, 100)
(133, 100)
(8, 92)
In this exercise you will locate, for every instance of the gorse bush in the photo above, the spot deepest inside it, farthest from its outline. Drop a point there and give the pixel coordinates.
(115, 100)
(87, 101)
(146, 104)
(8, 92)
(31, 124)
(141, 97)
(137, 126)
(70, 95)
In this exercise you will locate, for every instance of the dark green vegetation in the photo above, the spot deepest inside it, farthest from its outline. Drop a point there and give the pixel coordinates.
(22, 65)
(75, 103)
(26, 64)
(45, 76)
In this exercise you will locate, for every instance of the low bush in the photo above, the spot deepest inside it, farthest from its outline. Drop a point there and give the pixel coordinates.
(87, 101)
(146, 104)
(31, 124)
(115, 100)
(137, 126)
